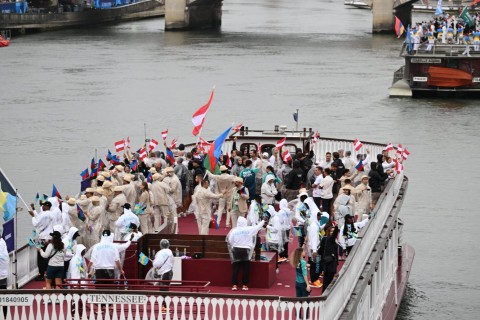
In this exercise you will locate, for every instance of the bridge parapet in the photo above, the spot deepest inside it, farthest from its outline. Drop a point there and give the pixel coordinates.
(192, 14)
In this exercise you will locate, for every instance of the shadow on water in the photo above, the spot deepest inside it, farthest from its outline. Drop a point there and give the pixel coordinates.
(410, 302)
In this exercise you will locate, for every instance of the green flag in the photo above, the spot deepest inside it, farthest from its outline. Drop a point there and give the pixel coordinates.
(465, 15)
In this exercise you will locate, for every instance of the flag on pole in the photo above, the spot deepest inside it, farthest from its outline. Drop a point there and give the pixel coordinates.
(400, 149)
(127, 143)
(142, 154)
(80, 213)
(199, 116)
(405, 154)
(439, 10)
(37, 198)
(173, 144)
(237, 128)
(164, 135)
(143, 259)
(408, 40)
(465, 15)
(295, 116)
(389, 147)
(399, 28)
(93, 174)
(101, 165)
(93, 164)
(359, 166)
(84, 174)
(134, 165)
(149, 177)
(316, 137)
(55, 192)
(115, 159)
(286, 156)
(120, 145)
(280, 143)
(357, 145)
(108, 157)
(153, 143)
(169, 156)
(211, 159)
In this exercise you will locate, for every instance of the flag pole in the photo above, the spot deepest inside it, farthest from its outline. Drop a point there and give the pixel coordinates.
(15, 240)
(296, 125)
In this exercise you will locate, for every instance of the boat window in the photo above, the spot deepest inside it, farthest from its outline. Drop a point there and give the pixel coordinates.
(245, 148)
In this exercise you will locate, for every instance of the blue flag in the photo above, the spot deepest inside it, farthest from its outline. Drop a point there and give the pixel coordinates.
(295, 116)
(80, 213)
(143, 259)
(439, 10)
(84, 174)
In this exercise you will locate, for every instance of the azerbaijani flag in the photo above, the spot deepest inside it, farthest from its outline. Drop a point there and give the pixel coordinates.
(55, 192)
(211, 159)
(399, 28)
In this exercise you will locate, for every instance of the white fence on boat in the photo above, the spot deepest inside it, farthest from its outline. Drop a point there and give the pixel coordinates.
(121, 305)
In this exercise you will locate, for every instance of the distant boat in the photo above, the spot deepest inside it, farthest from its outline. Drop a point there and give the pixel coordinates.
(359, 4)
(4, 39)
(22, 17)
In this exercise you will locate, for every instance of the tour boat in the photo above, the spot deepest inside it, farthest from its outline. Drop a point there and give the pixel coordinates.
(449, 69)
(14, 16)
(369, 285)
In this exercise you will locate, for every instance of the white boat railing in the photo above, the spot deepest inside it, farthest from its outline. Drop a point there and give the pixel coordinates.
(339, 295)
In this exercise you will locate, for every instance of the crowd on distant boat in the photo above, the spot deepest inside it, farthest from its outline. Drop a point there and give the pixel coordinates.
(446, 29)
(324, 203)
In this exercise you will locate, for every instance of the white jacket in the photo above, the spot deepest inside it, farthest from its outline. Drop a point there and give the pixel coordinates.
(4, 259)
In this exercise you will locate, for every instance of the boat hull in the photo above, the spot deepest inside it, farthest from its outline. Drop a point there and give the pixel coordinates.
(64, 20)
(4, 43)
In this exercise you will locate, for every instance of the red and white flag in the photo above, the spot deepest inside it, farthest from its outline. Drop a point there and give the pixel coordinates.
(153, 143)
(203, 143)
(164, 134)
(400, 149)
(199, 116)
(128, 143)
(173, 144)
(398, 166)
(357, 145)
(405, 154)
(316, 137)
(286, 156)
(281, 143)
(389, 147)
(237, 128)
(229, 160)
(142, 154)
(120, 145)
(259, 147)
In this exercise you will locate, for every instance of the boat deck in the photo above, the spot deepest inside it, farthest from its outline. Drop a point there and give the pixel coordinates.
(283, 286)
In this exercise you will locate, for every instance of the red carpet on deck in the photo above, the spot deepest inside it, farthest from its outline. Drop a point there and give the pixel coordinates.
(283, 286)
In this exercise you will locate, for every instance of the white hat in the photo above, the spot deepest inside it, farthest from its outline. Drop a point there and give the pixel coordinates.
(169, 169)
(152, 170)
(127, 178)
(119, 167)
(106, 185)
(269, 177)
(302, 194)
(118, 189)
(101, 178)
(238, 179)
(99, 190)
(89, 190)
(265, 154)
(364, 177)
(223, 168)
(156, 176)
(71, 201)
(95, 198)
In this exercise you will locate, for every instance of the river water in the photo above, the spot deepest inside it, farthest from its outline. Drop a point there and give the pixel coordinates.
(68, 94)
